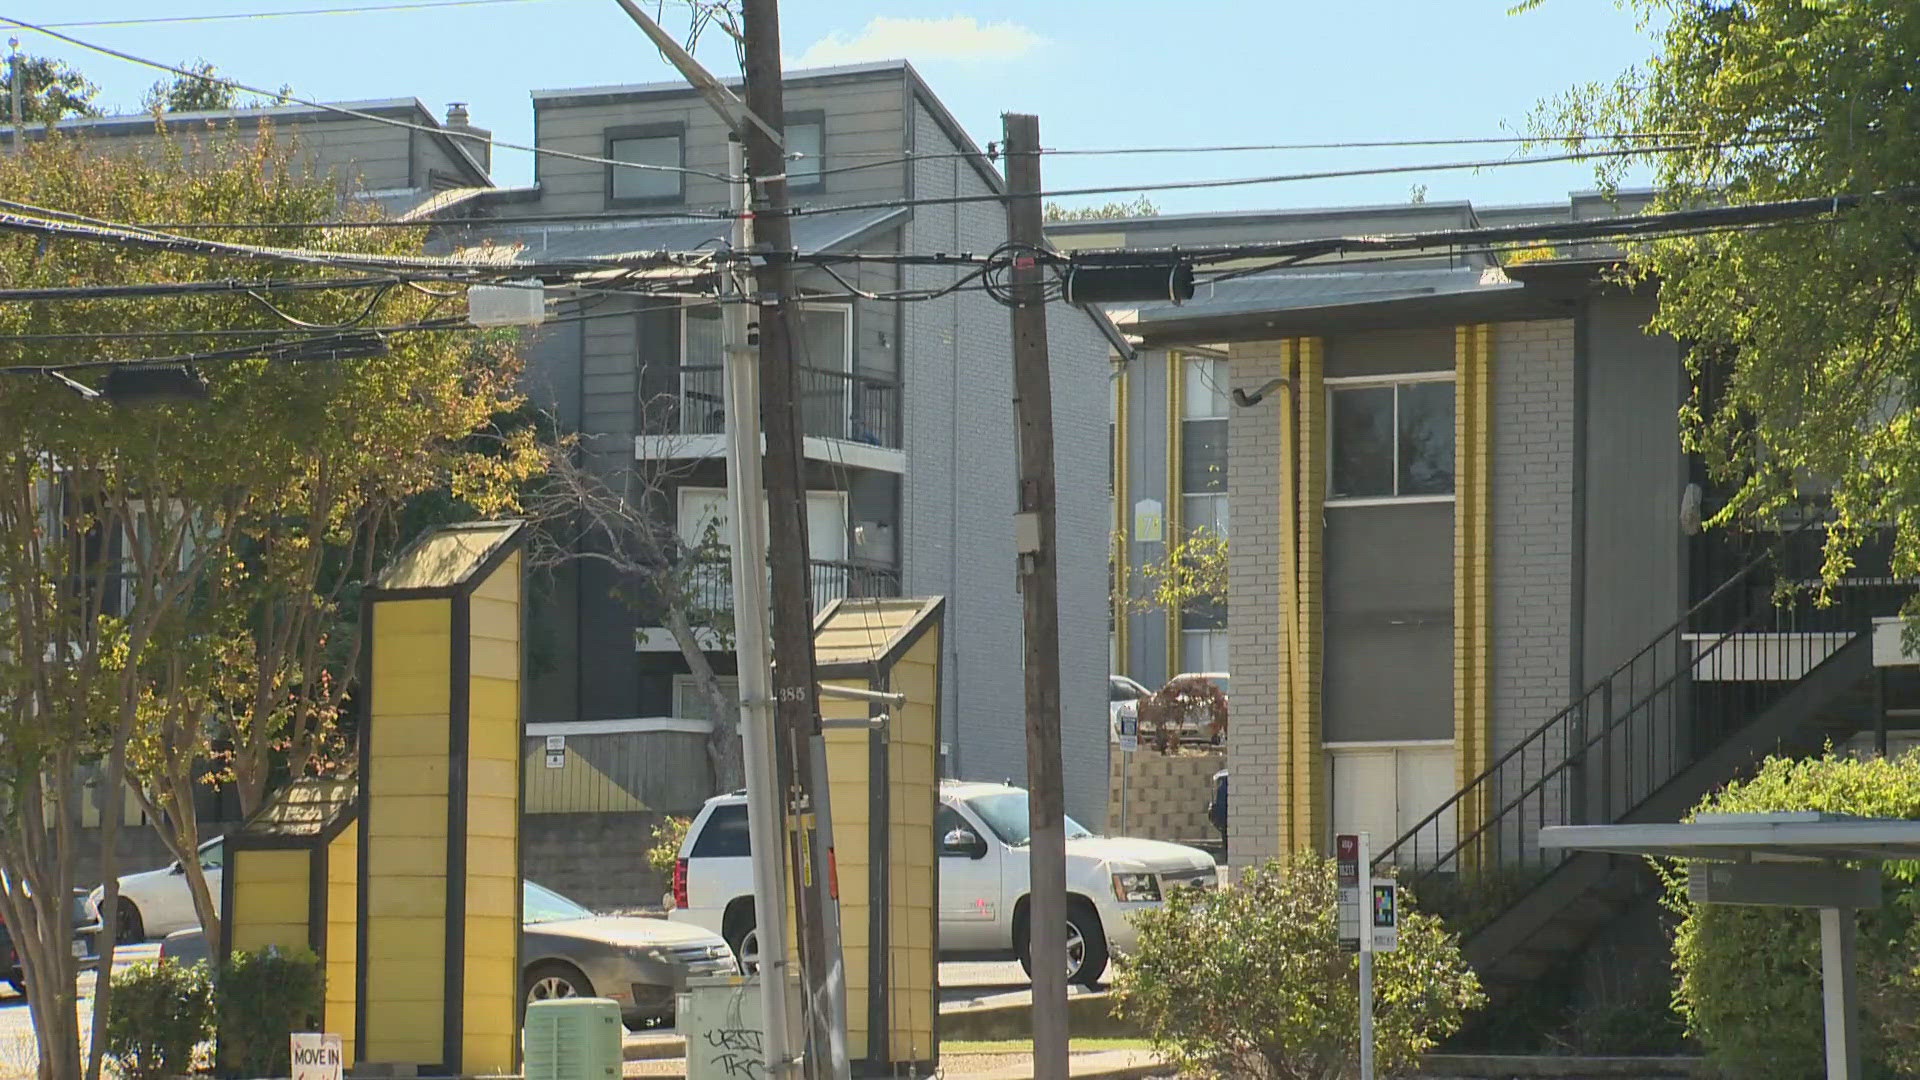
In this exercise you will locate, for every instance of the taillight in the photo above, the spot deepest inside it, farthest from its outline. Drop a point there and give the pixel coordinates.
(680, 883)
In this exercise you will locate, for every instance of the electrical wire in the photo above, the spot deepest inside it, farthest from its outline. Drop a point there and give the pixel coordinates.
(421, 5)
(187, 288)
(357, 114)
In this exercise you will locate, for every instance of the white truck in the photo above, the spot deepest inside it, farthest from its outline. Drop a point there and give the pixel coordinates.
(981, 833)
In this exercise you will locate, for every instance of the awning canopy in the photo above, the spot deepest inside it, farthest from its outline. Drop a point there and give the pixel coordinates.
(1773, 837)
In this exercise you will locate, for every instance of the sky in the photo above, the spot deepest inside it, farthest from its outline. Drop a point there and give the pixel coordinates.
(1098, 73)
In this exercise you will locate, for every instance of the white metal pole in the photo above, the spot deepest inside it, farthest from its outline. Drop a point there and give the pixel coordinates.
(1840, 993)
(747, 506)
(1366, 959)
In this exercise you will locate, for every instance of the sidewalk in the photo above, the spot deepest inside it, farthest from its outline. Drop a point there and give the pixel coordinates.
(1089, 1065)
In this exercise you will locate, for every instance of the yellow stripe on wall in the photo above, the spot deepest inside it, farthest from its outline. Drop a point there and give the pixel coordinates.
(1309, 810)
(1472, 561)
(1122, 508)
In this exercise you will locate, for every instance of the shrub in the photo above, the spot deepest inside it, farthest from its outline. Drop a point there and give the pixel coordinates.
(1251, 981)
(1749, 977)
(667, 836)
(161, 1012)
(1191, 702)
(262, 997)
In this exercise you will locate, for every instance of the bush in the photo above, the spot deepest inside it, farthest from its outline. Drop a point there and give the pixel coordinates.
(161, 1012)
(666, 844)
(1749, 977)
(1251, 981)
(1166, 715)
(262, 997)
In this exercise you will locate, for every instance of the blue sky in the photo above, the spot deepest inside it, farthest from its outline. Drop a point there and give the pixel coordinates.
(1099, 73)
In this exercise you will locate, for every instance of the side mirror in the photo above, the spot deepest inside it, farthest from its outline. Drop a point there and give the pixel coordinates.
(963, 842)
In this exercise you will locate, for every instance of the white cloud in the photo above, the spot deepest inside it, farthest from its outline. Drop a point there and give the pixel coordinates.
(960, 38)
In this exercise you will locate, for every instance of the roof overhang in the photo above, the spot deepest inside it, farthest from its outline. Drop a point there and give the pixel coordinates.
(1777, 837)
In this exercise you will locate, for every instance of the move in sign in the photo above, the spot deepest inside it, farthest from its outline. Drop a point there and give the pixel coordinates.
(316, 1056)
(1386, 916)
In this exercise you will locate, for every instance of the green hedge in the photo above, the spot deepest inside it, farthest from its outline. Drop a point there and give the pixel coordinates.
(1749, 977)
(261, 998)
(161, 1013)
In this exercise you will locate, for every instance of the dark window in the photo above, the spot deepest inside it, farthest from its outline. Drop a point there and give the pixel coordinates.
(725, 835)
(661, 145)
(1394, 440)
(1203, 456)
(807, 137)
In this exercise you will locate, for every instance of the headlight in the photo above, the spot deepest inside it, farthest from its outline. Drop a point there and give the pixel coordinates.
(1136, 888)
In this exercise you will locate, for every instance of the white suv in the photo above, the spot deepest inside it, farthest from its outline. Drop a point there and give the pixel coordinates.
(981, 833)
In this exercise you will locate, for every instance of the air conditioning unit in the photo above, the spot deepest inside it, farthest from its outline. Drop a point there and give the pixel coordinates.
(573, 1039)
(720, 1017)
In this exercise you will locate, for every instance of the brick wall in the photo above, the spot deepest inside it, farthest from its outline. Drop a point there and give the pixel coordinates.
(1253, 608)
(1533, 526)
(1165, 797)
(599, 860)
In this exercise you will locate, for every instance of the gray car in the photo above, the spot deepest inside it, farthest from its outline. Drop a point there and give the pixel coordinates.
(568, 951)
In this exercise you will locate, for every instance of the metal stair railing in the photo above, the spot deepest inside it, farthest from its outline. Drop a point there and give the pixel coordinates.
(1683, 694)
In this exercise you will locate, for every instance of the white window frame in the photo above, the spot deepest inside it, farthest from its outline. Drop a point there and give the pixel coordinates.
(1403, 820)
(1394, 382)
(686, 688)
(680, 509)
(1222, 643)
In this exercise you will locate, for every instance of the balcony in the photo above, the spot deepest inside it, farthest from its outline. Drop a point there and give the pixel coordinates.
(859, 414)
(711, 589)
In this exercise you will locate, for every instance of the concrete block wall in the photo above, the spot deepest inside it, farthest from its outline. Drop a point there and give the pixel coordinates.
(1533, 530)
(1253, 608)
(599, 860)
(1162, 796)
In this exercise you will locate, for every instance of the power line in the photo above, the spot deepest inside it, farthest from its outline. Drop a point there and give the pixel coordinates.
(167, 19)
(357, 114)
(189, 288)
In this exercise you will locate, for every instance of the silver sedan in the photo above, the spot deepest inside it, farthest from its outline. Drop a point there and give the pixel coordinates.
(568, 951)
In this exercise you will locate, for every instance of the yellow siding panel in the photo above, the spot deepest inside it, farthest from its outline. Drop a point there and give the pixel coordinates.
(493, 698)
(410, 734)
(407, 775)
(503, 583)
(406, 693)
(495, 659)
(401, 617)
(497, 620)
(414, 901)
(493, 778)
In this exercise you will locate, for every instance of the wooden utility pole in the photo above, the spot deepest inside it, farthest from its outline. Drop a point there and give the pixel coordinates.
(1040, 600)
(796, 701)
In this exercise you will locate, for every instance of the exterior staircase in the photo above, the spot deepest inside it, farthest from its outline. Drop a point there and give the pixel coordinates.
(1764, 664)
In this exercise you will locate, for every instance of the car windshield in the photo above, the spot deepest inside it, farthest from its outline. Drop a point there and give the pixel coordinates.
(1005, 813)
(540, 904)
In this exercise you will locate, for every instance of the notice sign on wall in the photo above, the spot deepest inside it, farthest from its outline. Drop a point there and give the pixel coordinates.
(556, 751)
(316, 1056)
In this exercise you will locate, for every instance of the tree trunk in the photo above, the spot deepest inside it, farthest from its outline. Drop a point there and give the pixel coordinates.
(723, 737)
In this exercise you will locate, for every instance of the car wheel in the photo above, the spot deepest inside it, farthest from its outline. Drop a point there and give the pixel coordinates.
(131, 929)
(746, 950)
(1086, 945)
(553, 981)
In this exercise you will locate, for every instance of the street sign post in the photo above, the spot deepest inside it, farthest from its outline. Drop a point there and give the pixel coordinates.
(1358, 925)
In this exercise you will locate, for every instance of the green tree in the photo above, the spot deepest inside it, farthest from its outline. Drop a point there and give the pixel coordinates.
(205, 90)
(1252, 981)
(151, 557)
(1122, 208)
(1811, 327)
(49, 90)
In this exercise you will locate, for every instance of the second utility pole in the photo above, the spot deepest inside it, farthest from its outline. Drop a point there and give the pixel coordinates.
(1034, 538)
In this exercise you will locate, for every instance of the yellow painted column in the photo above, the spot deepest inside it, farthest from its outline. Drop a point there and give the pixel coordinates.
(1308, 813)
(1122, 508)
(1472, 562)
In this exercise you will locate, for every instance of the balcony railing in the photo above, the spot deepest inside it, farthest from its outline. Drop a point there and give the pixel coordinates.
(711, 584)
(839, 405)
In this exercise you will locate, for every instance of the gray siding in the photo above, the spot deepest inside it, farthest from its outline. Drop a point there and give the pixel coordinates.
(1633, 385)
(864, 126)
(1147, 453)
(1389, 623)
(1389, 352)
(361, 155)
(959, 497)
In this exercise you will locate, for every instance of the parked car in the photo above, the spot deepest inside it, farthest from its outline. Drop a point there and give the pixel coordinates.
(1123, 699)
(86, 930)
(157, 902)
(981, 831)
(567, 951)
(1196, 726)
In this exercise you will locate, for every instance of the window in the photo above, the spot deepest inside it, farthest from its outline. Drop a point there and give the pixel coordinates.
(690, 704)
(725, 834)
(1203, 445)
(661, 145)
(1392, 440)
(807, 137)
(1203, 650)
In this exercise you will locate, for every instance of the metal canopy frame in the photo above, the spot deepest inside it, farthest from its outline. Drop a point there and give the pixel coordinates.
(1802, 838)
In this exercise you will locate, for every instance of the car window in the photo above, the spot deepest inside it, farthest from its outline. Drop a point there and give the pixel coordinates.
(725, 834)
(539, 904)
(1117, 691)
(945, 820)
(1005, 813)
(213, 853)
